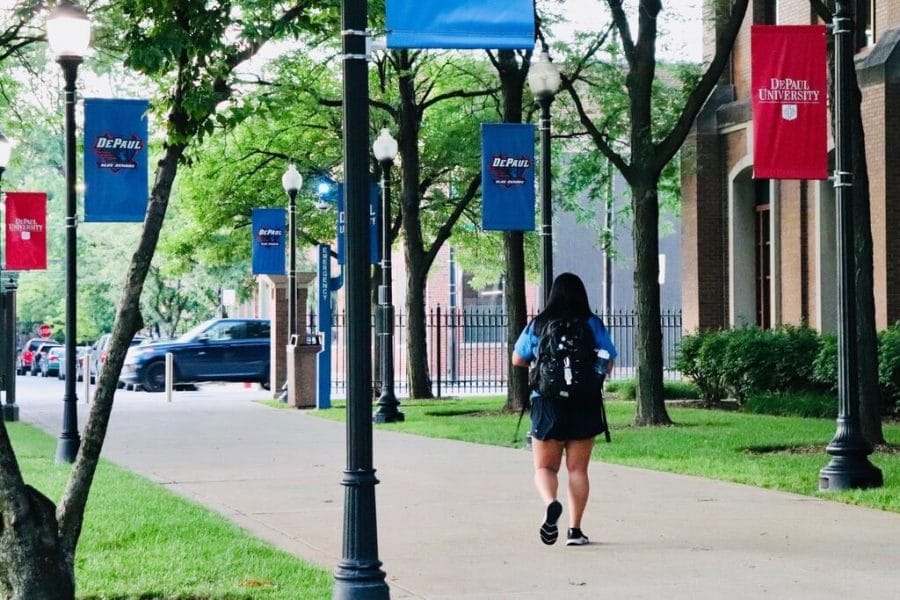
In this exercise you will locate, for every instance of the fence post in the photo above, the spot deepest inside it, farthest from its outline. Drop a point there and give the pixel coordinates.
(438, 343)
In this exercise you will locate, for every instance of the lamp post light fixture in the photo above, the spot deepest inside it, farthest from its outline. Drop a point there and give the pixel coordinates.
(544, 80)
(849, 467)
(8, 338)
(385, 151)
(69, 35)
(291, 181)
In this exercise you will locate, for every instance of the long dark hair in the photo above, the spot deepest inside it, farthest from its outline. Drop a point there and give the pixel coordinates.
(568, 298)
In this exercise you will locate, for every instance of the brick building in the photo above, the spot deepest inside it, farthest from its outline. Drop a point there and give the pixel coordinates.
(763, 251)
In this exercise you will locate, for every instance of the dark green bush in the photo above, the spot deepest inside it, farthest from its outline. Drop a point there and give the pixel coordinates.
(889, 365)
(825, 364)
(745, 360)
(626, 389)
(809, 404)
(699, 358)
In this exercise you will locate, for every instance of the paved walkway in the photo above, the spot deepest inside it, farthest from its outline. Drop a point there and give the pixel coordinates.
(460, 521)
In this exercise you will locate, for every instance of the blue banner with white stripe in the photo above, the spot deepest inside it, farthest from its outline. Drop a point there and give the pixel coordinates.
(471, 24)
(269, 241)
(507, 176)
(115, 160)
(374, 224)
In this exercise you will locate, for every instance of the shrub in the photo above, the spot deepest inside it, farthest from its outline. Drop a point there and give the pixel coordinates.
(626, 389)
(809, 404)
(746, 360)
(889, 366)
(825, 363)
(699, 358)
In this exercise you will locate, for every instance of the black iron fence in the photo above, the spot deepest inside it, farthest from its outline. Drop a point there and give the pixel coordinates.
(467, 349)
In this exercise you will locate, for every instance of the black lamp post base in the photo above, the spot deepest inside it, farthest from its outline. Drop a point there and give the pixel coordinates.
(350, 585)
(388, 416)
(387, 410)
(67, 450)
(849, 473)
(10, 412)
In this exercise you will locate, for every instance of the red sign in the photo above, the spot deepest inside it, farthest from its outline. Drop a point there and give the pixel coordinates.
(45, 331)
(26, 231)
(789, 87)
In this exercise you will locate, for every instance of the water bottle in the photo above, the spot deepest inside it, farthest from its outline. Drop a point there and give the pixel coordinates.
(602, 363)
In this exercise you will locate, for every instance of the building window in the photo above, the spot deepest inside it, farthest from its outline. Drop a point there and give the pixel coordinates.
(865, 24)
(763, 254)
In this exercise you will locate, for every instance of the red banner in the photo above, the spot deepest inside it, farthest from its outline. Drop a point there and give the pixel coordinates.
(26, 231)
(790, 96)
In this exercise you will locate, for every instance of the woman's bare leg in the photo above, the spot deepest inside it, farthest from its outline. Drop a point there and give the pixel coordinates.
(578, 457)
(547, 460)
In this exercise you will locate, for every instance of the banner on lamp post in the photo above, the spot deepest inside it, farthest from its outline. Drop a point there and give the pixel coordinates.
(374, 224)
(789, 87)
(115, 160)
(460, 24)
(268, 241)
(26, 231)
(507, 176)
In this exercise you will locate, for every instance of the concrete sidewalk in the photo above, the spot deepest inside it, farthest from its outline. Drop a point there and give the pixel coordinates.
(459, 520)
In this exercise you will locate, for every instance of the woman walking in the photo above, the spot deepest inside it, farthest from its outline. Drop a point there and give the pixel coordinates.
(562, 425)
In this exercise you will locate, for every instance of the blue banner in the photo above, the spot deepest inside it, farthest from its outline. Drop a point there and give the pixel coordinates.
(507, 176)
(269, 241)
(115, 160)
(460, 24)
(374, 224)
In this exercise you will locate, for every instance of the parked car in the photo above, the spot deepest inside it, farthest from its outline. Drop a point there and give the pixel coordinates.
(40, 355)
(26, 357)
(100, 350)
(51, 360)
(216, 350)
(79, 364)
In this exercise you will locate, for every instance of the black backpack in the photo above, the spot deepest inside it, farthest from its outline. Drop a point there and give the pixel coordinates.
(566, 359)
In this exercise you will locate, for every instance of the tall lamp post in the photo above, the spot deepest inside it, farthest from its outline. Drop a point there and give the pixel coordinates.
(544, 80)
(358, 574)
(69, 35)
(291, 182)
(8, 339)
(385, 150)
(849, 467)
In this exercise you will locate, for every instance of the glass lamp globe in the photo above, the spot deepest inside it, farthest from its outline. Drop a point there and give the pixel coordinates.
(543, 76)
(68, 31)
(291, 180)
(385, 146)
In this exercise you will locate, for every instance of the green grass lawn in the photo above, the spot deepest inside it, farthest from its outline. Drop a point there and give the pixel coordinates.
(784, 453)
(141, 542)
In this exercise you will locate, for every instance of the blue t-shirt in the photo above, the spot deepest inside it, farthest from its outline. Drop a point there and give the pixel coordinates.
(527, 344)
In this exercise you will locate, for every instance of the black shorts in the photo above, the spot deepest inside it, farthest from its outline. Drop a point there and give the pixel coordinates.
(566, 419)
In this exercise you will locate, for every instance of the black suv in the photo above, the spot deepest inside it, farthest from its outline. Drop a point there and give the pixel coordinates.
(215, 350)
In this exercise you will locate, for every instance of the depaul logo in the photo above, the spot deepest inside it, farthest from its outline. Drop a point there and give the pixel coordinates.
(116, 153)
(269, 236)
(509, 171)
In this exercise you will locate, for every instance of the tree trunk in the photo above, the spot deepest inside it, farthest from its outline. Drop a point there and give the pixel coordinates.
(36, 564)
(416, 330)
(512, 83)
(870, 409)
(651, 407)
(517, 312)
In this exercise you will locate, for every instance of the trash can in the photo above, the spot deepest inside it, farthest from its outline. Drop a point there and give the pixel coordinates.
(301, 370)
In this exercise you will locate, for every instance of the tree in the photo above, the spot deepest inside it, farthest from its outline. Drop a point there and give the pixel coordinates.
(421, 86)
(513, 73)
(191, 48)
(649, 151)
